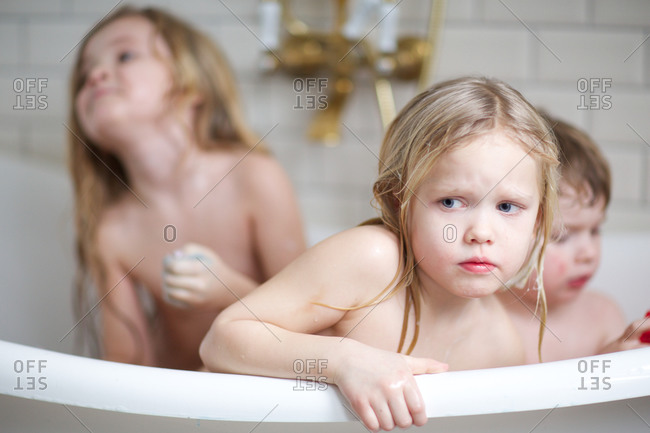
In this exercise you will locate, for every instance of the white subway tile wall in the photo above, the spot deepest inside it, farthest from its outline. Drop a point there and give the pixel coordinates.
(586, 61)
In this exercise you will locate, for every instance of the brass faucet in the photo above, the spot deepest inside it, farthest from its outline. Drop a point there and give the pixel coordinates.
(337, 54)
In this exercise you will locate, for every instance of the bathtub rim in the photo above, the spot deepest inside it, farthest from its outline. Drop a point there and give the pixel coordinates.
(187, 394)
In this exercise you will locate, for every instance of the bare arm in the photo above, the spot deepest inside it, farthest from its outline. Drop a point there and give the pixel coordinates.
(277, 225)
(635, 336)
(617, 336)
(272, 329)
(124, 330)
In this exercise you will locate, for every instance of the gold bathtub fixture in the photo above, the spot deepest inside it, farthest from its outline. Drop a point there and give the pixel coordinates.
(353, 43)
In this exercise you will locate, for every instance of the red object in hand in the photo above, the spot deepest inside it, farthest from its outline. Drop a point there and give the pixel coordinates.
(647, 314)
(645, 337)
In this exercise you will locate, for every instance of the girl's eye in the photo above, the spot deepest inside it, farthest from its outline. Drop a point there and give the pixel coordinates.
(125, 56)
(507, 207)
(450, 203)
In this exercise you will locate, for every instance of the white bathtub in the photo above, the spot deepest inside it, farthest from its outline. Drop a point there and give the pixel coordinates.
(70, 393)
(45, 389)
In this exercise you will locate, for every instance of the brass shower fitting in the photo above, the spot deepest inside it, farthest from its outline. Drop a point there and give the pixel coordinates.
(292, 47)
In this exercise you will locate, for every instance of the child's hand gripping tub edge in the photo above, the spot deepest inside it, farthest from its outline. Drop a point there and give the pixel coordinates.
(482, 161)
(388, 388)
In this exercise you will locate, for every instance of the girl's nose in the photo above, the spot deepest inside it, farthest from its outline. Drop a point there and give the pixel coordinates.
(97, 74)
(588, 249)
(479, 231)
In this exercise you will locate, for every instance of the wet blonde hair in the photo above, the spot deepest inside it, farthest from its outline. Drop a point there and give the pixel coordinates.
(199, 71)
(431, 124)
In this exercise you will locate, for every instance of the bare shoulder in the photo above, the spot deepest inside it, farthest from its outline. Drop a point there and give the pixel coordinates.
(372, 243)
(261, 172)
(363, 260)
(114, 230)
(604, 308)
(344, 270)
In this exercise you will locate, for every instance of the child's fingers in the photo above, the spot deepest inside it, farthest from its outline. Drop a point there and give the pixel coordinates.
(415, 404)
(177, 297)
(185, 265)
(636, 335)
(192, 248)
(188, 283)
(400, 411)
(425, 365)
(197, 251)
(383, 415)
(637, 328)
(643, 330)
(367, 416)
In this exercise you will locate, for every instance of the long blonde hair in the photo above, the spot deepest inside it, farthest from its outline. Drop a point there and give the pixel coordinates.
(198, 69)
(431, 124)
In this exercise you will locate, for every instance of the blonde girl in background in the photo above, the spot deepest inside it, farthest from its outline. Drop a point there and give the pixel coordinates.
(162, 160)
(466, 190)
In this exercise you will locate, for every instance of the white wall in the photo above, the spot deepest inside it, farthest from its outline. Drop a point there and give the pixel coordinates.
(541, 48)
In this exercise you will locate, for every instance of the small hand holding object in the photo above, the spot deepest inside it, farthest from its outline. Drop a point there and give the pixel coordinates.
(636, 335)
(189, 279)
(382, 389)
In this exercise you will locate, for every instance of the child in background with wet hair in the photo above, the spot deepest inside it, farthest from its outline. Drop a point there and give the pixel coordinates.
(161, 160)
(466, 190)
(579, 323)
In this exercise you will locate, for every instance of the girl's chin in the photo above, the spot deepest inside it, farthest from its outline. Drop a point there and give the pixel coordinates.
(106, 125)
(475, 292)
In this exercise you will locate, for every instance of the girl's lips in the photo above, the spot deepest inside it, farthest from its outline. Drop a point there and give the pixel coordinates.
(578, 283)
(477, 266)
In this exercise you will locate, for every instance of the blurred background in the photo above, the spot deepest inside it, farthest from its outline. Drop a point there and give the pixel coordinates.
(585, 61)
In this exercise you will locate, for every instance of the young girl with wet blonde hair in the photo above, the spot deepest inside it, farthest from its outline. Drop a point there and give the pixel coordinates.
(466, 190)
(162, 162)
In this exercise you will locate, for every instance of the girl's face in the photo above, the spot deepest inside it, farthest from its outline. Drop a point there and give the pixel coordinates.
(573, 256)
(473, 218)
(126, 81)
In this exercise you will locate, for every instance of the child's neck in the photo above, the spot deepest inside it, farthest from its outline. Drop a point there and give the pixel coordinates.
(158, 162)
(444, 304)
(520, 301)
